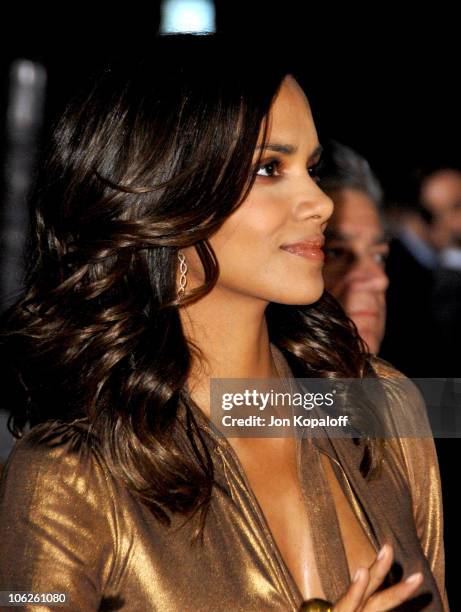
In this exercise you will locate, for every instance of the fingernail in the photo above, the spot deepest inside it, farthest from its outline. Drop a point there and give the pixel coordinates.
(382, 552)
(413, 577)
(357, 575)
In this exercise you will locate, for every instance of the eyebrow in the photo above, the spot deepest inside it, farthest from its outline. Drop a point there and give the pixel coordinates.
(288, 149)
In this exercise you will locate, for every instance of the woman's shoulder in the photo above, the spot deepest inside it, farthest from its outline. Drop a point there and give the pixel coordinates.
(409, 437)
(404, 404)
(384, 368)
(56, 477)
(55, 440)
(59, 514)
(55, 456)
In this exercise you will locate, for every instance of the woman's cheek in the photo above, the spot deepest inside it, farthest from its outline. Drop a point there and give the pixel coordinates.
(267, 213)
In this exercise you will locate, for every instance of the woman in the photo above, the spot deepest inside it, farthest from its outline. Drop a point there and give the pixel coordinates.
(179, 225)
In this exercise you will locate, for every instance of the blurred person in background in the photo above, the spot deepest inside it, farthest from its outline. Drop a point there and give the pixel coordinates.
(410, 339)
(356, 243)
(441, 197)
(424, 268)
(423, 329)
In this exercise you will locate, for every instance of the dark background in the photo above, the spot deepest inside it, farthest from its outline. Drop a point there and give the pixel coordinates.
(385, 83)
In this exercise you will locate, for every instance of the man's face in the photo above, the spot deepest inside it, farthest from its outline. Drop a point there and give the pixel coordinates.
(356, 249)
(441, 196)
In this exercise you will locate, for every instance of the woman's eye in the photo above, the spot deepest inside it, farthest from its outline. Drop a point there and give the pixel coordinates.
(316, 170)
(269, 169)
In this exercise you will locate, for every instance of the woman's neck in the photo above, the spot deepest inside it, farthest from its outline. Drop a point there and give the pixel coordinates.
(232, 335)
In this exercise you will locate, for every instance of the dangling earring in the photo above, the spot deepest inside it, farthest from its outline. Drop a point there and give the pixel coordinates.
(183, 274)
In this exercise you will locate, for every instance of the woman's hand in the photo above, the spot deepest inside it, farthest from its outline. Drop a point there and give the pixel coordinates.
(361, 595)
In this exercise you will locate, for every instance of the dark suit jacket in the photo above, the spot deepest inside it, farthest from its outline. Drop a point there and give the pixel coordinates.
(410, 343)
(446, 308)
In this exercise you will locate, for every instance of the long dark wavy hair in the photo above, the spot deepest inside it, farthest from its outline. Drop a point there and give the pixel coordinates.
(153, 156)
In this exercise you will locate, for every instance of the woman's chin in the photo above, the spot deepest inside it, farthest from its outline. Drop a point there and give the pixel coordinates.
(300, 298)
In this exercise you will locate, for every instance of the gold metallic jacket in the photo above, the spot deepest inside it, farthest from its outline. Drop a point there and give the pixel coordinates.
(68, 526)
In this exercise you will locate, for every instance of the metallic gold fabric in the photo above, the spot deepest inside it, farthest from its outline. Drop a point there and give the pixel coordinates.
(66, 525)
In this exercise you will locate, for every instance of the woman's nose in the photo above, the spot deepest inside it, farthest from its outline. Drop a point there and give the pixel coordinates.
(315, 203)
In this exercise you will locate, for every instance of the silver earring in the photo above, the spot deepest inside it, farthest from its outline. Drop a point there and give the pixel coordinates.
(183, 274)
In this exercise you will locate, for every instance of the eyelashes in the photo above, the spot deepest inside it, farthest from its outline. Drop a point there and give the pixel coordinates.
(272, 169)
(317, 171)
(269, 167)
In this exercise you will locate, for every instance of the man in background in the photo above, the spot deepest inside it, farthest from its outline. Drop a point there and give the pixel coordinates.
(441, 196)
(356, 243)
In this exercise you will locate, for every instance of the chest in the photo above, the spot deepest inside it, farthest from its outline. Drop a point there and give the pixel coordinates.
(272, 474)
(257, 552)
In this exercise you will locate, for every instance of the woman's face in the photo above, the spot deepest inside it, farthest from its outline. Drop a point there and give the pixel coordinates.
(269, 248)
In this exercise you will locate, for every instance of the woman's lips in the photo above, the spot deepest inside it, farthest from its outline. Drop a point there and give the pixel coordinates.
(309, 250)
